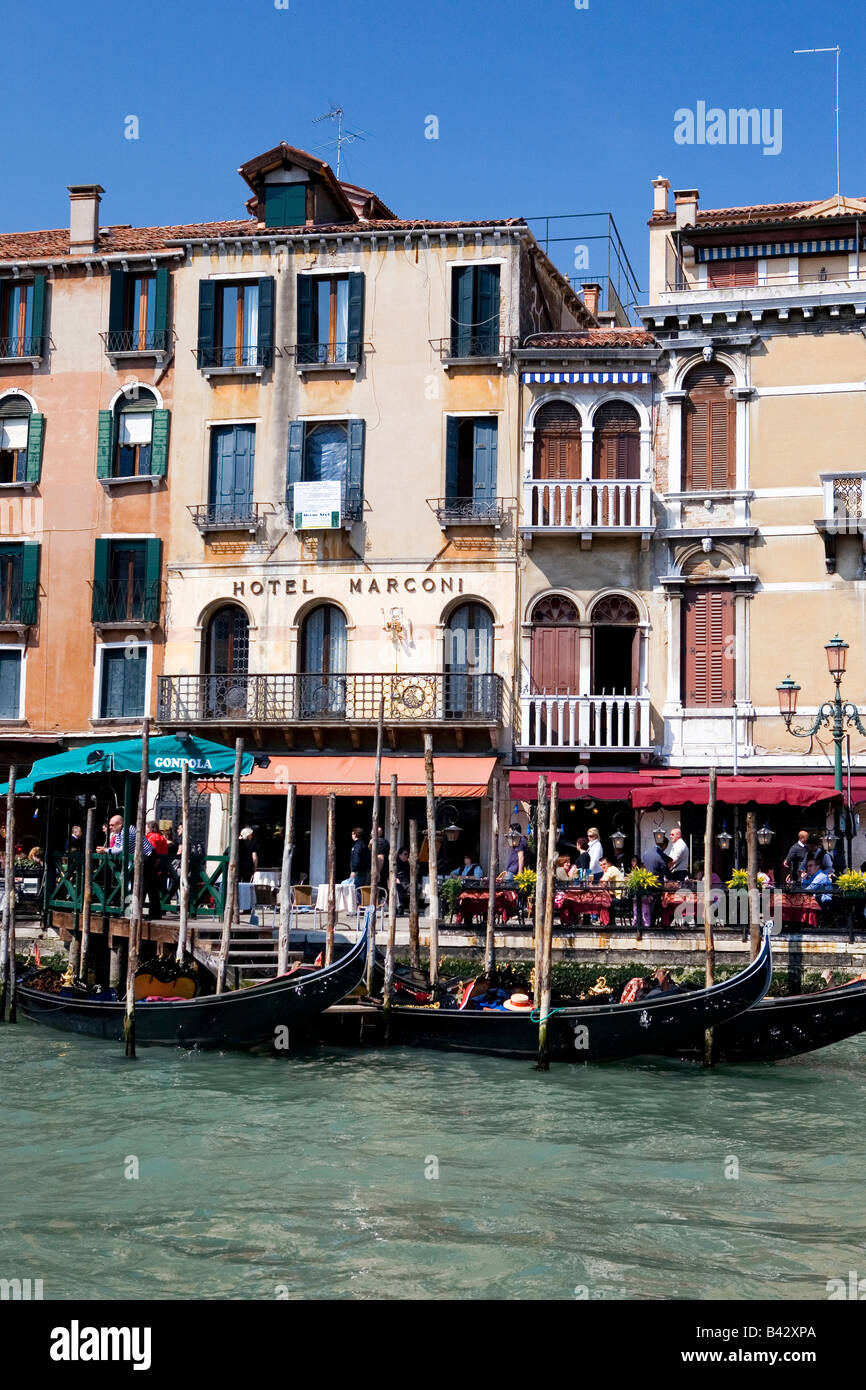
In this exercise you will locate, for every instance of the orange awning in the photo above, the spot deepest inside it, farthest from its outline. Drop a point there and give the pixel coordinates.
(353, 776)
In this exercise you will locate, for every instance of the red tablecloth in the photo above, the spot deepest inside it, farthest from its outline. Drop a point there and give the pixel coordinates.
(574, 903)
(472, 905)
(800, 910)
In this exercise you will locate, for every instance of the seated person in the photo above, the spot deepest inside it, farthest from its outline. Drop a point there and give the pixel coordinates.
(814, 879)
(469, 869)
(610, 873)
(564, 869)
(662, 984)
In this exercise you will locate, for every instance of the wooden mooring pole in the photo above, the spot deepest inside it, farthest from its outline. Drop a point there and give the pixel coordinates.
(388, 992)
(87, 889)
(7, 943)
(332, 878)
(183, 891)
(709, 938)
(547, 934)
(493, 870)
(414, 935)
(540, 882)
(136, 905)
(752, 878)
(231, 879)
(374, 857)
(286, 882)
(432, 860)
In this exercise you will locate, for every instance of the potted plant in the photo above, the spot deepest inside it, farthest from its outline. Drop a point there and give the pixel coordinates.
(525, 881)
(449, 894)
(641, 881)
(852, 884)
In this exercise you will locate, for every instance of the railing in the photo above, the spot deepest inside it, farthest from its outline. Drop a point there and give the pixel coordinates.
(683, 281)
(459, 348)
(111, 895)
(583, 504)
(297, 699)
(137, 340)
(346, 354)
(31, 345)
(351, 502)
(18, 603)
(844, 501)
(610, 723)
(119, 601)
(225, 516)
(467, 511)
(212, 358)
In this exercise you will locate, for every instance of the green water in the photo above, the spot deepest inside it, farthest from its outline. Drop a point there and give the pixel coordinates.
(260, 1177)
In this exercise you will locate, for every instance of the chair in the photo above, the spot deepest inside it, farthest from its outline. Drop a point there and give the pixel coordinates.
(365, 900)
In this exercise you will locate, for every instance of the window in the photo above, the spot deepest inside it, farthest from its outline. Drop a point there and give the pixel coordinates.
(19, 583)
(469, 684)
(11, 669)
(236, 323)
(616, 441)
(323, 662)
(21, 431)
(616, 640)
(126, 581)
(285, 204)
(227, 654)
(330, 319)
(557, 442)
(722, 275)
(232, 465)
(122, 681)
(325, 451)
(471, 467)
(138, 312)
(475, 311)
(555, 659)
(133, 438)
(709, 430)
(22, 313)
(708, 648)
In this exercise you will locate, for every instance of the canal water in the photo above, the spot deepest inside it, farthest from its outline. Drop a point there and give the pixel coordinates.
(396, 1174)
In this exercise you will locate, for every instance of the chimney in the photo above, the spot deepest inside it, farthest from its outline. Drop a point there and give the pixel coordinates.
(661, 188)
(84, 200)
(591, 294)
(686, 200)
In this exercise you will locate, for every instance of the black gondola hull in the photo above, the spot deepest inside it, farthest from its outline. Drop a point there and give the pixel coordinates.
(238, 1019)
(779, 1028)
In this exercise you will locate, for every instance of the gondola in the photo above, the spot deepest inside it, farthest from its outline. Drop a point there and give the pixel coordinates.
(240, 1018)
(588, 1032)
(777, 1028)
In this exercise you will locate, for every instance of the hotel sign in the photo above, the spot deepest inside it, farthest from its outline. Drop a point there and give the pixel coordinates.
(386, 584)
(317, 506)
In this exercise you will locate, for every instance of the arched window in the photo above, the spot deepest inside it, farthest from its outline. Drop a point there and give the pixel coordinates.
(555, 660)
(133, 434)
(616, 441)
(557, 442)
(14, 434)
(616, 639)
(708, 633)
(709, 449)
(322, 670)
(468, 663)
(227, 650)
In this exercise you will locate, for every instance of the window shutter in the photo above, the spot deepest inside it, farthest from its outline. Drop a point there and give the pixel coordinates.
(295, 462)
(152, 576)
(462, 291)
(105, 444)
(10, 684)
(117, 301)
(356, 318)
(206, 322)
(728, 274)
(37, 329)
(306, 333)
(487, 313)
(101, 562)
(708, 662)
(35, 435)
(29, 581)
(695, 441)
(159, 443)
(484, 461)
(452, 428)
(266, 320)
(353, 502)
(722, 444)
(160, 311)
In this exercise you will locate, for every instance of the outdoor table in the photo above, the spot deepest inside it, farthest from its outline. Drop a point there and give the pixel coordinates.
(686, 898)
(574, 903)
(246, 897)
(345, 898)
(800, 910)
(472, 905)
(267, 878)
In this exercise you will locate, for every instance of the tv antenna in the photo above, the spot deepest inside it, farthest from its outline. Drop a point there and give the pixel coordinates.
(837, 50)
(347, 137)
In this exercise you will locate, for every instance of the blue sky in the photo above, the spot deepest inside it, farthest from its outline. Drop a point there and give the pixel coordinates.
(542, 108)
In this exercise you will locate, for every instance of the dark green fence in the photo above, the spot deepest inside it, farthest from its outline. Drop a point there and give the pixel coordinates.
(65, 886)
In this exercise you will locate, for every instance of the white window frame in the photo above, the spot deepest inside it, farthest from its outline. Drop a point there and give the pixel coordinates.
(98, 672)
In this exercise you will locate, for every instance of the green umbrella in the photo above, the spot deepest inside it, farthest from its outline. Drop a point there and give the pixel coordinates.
(168, 753)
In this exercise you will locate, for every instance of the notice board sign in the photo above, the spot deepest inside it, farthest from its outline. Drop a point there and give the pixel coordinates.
(317, 506)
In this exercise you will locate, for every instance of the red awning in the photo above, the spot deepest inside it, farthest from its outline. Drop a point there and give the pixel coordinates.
(770, 790)
(353, 776)
(602, 786)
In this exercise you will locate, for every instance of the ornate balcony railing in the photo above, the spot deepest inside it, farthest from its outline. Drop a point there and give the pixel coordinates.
(137, 340)
(608, 723)
(225, 516)
(588, 504)
(345, 354)
(240, 358)
(460, 347)
(844, 514)
(117, 601)
(31, 345)
(468, 511)
(412, 698)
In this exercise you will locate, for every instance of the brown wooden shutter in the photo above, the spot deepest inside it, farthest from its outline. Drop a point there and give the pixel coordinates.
(709, 456)
(557, 453)
(616, 447)
(722, 275)
(708, 648)
(555, 661)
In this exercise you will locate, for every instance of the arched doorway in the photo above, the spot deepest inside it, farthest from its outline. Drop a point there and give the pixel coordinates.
(227, 651)
(322, 657)
(468, 660)
(554, 666)
(615, 646)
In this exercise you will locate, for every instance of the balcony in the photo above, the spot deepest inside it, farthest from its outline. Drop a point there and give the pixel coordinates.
(588, 507)
(221, 516)
(844, 513)
(417, 699)
(468, 511)
(593, 723)
(487, 350)
(126, 604)
(328, 357)
(18, 605)
(122, 344)
(16, 350)
(233, 361)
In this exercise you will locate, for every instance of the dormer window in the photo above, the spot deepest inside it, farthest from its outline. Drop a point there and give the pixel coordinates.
(285, 204)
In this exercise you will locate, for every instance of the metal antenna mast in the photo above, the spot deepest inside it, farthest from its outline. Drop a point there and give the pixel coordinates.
(336, 113)
(837, 50)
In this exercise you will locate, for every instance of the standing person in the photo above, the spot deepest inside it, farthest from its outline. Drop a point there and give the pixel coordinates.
(678, 855)
(581, 863)
(795, 859)
(359, 860)
(75, 843)
(822, 857)
(516, 860)
(248, 855)
(383, 850)
(160, 849)
(149, 864)
(401, 876)
(657, 861)
(196, 860)
(596, 853)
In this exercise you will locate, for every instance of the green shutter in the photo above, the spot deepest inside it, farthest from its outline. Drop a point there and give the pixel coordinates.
(35, 435)
(105, 444)
(356, 318)
(487, 309)
(159, 443)
(37, 322)
(306, 318)
(206, 322)
(160, 326)
(266, 320)
(462, 316)
(353, 501)
(285, 204)
(295, 462)
(29, 581)
(452, 428)
(116, 304)
(152, 577)
(101, 562)
(484, 462)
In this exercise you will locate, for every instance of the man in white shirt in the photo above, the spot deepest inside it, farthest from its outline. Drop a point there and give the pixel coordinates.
(678, 855)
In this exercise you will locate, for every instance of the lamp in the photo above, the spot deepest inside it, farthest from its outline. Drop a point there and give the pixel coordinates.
(788, 691)
(828, 840)
(452, 831)
(837, 655)
(617, 839)
(765, 835)
(513, 837)
(724, 840)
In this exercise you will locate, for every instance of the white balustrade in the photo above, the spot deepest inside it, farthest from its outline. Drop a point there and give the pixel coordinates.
(587, 504)
(614, 723)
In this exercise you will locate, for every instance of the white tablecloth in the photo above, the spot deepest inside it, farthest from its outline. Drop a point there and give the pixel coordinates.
(345, 897)
(268, 877)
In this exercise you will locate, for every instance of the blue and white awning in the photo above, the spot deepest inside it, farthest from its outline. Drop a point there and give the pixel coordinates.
(589, 378)
(775, 248)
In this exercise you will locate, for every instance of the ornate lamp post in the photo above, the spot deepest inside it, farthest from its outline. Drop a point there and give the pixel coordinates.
(835, 714)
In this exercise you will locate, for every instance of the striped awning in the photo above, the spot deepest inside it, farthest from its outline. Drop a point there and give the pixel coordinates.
(775, 248)
(590, 378)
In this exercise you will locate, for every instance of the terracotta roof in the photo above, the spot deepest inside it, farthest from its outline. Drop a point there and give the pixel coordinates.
(593, 338)
(756, 212)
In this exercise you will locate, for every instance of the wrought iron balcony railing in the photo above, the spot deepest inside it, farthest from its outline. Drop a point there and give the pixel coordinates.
(137, 340)
(18, 603)
(414, 698)
(465, 347)
(117, 601)
(468, 511)
(242, 358)
(609, 723)
(346, 354)
(225, 516)
(29, 346)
